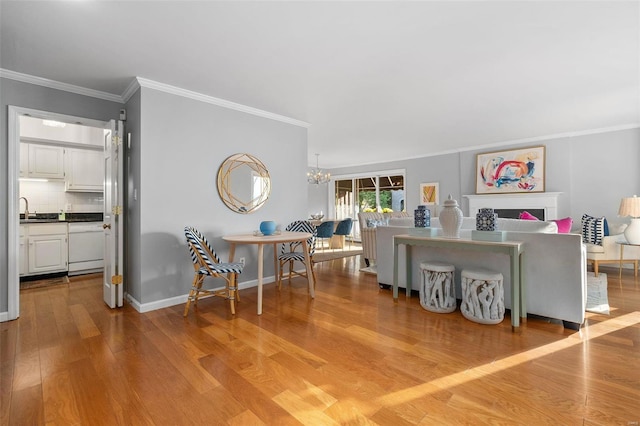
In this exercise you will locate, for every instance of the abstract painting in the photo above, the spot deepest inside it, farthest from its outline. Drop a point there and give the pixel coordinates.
(517, 170)
(429, 193)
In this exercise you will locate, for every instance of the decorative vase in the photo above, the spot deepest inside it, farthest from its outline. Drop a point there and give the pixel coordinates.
(486, 220)
(268, 227)
(451, 219)
(422, 217)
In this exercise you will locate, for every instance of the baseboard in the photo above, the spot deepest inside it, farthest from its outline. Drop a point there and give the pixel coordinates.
(4, 316)
(182, 299)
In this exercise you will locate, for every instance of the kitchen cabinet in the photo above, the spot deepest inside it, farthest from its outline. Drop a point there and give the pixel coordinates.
(45, 161)
(84, 170)
(23, 253)
(48, 248)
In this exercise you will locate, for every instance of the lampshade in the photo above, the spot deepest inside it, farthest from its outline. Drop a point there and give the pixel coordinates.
(317, 175)
(631, 207)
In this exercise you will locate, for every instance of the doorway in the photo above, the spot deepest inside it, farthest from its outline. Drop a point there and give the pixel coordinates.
(13, 202)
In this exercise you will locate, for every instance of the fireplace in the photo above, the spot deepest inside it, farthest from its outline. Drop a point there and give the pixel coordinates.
(543, 205)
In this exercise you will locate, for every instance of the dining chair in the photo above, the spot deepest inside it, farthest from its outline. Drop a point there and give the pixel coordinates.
(325, 230)
(292, 252)
(344, 228)
(206, 263)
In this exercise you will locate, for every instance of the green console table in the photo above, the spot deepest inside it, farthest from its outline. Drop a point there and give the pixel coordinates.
(514, 249)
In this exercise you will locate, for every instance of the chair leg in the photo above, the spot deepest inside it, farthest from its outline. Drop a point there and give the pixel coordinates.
(231, 290)
(595, 268)
(280, 269)
(193, 294)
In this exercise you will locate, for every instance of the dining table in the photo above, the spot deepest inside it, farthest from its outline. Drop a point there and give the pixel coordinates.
(336, 241)
(278, 238)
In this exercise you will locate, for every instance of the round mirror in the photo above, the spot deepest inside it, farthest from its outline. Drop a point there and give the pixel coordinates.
(243, 183)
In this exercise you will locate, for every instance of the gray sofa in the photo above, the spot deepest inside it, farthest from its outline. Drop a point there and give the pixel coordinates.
(554, 269)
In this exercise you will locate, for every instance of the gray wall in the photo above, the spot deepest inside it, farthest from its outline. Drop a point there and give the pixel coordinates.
(14, 93)
(593, 172)
(182, 144)
(132, 207)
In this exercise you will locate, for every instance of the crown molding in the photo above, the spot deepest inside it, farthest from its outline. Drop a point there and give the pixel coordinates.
(150, 84)
(139, 82)
(52, 84)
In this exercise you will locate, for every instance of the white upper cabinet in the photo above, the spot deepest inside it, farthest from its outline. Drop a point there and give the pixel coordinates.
(45, 161)
(84, 170)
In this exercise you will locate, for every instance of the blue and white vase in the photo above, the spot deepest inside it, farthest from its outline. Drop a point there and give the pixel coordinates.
(486, 220)
(422, 217)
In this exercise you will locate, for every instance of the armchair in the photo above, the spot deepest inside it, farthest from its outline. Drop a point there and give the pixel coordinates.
(609, 251)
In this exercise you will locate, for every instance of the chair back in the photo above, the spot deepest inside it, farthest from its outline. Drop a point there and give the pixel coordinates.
(325, 229)
(301, 226)
(344, 227)
(201, 252)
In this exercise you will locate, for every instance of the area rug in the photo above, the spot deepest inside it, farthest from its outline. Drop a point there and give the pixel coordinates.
(330, 254)
(47, 282)
(597, 299)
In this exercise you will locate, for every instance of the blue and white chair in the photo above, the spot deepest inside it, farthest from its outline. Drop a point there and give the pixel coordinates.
(206, 263)
(292, 252)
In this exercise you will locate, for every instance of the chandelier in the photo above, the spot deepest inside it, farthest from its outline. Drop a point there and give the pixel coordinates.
(317, 176)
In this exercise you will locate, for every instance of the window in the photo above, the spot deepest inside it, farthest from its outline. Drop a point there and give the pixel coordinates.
(376, 191)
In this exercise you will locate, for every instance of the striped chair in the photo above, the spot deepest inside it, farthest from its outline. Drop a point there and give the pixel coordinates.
(206, 263)
(292, 252)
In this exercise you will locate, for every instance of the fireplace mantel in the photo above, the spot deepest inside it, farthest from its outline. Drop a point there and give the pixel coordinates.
(530, 200)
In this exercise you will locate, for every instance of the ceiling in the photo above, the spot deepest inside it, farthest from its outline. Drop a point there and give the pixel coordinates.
(377, 81)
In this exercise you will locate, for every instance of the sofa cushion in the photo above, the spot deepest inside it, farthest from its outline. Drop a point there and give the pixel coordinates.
(527, 226)
(592, 229)
(401, 221)
(594, 248)
(564, 225)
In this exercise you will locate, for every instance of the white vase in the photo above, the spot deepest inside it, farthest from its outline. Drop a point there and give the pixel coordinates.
(451, 219)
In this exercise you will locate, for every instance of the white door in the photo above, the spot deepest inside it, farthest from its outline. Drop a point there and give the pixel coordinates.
(113, 215)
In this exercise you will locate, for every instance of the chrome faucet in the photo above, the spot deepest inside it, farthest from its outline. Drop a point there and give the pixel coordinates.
(26, 206)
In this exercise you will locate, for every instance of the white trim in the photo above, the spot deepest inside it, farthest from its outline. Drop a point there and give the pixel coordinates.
(52, 84)
(4, 316)
(13, 217)
(217, 101)
(138, 82)
(182, 299)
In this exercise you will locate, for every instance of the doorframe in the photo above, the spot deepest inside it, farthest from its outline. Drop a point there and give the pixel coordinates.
(13, 190)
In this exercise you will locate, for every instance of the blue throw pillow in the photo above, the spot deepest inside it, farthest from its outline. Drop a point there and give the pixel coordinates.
(593, 229)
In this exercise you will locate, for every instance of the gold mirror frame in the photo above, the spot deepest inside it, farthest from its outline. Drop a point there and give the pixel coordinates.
(244, 183)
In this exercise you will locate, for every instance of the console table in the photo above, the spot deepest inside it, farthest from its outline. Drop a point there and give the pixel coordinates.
(514, 249)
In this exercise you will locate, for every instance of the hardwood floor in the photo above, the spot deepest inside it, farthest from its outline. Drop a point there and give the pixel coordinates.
(351, 356)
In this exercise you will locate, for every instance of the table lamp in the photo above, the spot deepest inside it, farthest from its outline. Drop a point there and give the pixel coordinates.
(631, 207)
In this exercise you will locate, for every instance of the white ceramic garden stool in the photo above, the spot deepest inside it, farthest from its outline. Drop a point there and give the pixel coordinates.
(437, 291)
(482, 296)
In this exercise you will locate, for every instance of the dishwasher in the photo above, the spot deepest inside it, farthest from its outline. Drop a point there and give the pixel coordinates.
(86, 247)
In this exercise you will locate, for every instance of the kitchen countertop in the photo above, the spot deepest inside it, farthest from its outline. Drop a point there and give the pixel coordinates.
(69, 218)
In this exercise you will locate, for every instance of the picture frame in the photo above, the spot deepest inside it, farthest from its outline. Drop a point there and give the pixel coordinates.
(511, 171)
(429, 193)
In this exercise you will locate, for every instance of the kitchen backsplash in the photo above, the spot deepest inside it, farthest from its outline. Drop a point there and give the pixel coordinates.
(50, 197)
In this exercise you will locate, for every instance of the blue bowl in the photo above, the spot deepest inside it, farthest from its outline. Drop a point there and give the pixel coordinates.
(268, 227)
